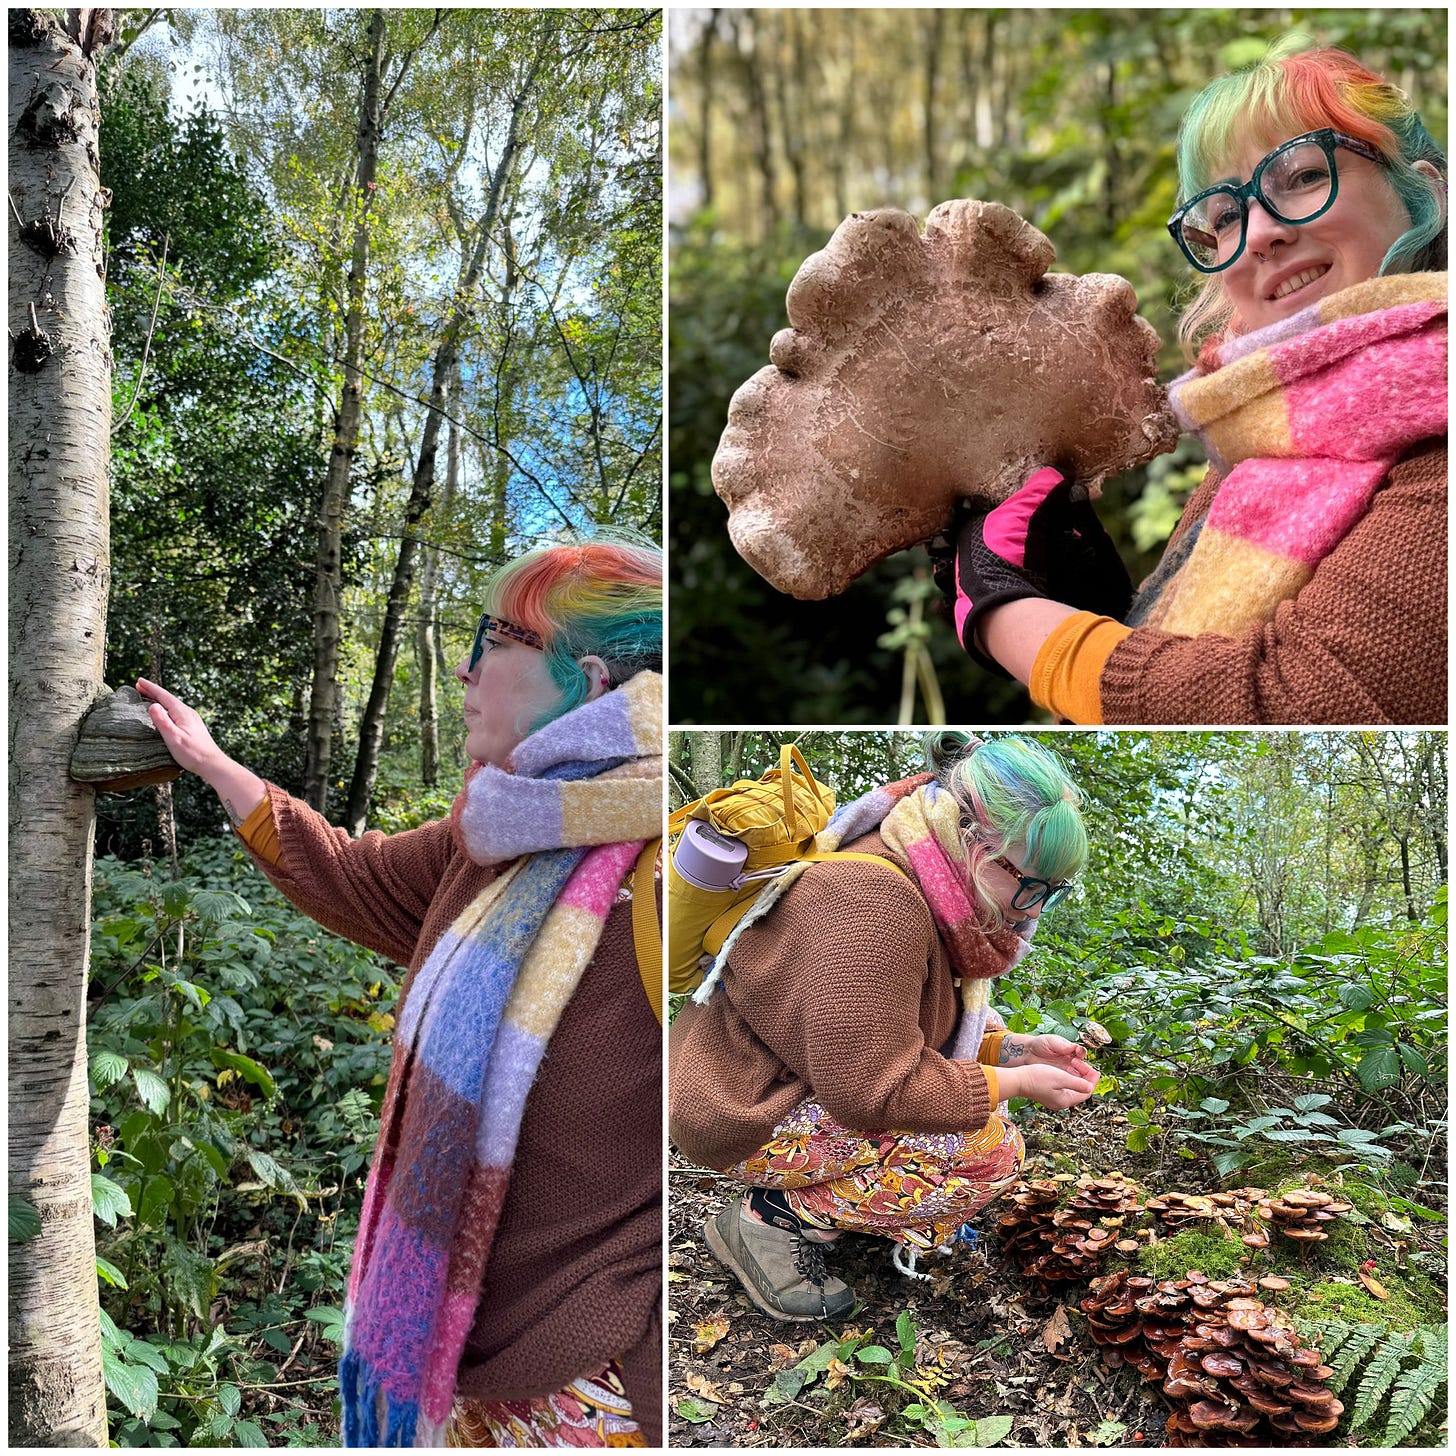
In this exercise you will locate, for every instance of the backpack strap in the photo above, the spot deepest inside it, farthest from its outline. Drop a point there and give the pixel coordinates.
(727, 922)
(646, 931)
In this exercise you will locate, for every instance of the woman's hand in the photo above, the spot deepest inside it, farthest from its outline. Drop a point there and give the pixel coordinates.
(1020, 569)
(189, 742)
(1055, 1087)
(184, 733)
(1055, 1051)
(999, 557)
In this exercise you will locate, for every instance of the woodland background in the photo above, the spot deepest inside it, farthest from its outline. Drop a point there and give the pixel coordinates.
(385, 309)
(1261, 928)
(784, 121)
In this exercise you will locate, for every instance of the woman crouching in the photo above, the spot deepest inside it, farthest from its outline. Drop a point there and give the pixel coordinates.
(844, 1069)
(506, 1279)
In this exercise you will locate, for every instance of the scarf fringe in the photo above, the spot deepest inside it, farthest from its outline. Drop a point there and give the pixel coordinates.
(402, 1427)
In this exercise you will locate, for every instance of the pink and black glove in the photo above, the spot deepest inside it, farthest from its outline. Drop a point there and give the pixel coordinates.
(1037, 543)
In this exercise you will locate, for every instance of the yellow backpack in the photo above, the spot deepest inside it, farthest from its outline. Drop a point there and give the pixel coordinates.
(750, 832)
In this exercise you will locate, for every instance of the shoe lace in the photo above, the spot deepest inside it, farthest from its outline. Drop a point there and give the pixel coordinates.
(809, 1261)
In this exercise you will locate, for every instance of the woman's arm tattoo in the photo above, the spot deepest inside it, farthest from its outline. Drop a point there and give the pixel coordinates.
(1013, 1050)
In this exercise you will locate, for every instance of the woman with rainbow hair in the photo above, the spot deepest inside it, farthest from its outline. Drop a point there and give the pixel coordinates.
(506, 1279)
(843, 1060)
(1306, 580)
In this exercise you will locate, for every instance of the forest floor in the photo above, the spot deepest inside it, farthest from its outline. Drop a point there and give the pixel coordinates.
(988, 1343)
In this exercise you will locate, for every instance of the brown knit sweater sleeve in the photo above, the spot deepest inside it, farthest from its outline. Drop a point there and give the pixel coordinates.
(373, 890)
(834, 981)
(1364, 642)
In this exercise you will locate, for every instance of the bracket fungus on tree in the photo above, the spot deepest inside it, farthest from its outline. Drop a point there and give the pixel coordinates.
(923, 370)
(118, 748)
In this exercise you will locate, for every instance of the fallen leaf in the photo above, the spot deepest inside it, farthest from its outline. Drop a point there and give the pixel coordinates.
(865, 1417)
(781, 1356)
(1373, 1285)
(708, 1332)
(701, 1385)
(690, 1410)
(1058, 1332)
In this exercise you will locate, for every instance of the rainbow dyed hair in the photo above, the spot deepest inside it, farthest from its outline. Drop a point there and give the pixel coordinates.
(1017, 800)
(601, 598)
(1298, 88)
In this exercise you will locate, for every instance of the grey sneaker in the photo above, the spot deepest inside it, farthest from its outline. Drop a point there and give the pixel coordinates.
(782, 1272)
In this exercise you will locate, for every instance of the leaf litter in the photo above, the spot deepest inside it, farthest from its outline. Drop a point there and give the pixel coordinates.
(987, 1364)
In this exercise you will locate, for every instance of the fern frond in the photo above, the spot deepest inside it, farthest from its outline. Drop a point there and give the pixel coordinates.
(1333, 1333)
(1363, 1339)
(1378, 1377)
(1414, 1391)
(1434, 1341)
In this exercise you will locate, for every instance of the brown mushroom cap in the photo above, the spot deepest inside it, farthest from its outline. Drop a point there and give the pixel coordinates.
(1273, 1282)
(1221, 1363)
(1266, 1404)
(1248, 1319)
(1207, 1415)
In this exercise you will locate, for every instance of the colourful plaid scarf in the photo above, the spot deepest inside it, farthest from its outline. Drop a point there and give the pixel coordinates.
(584, 794)
(1305, 418)
(920, 824)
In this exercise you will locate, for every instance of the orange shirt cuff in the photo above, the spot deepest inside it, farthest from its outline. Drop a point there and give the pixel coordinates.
(993, 1085)
(260, 833)
(990, 1050)
(1068, 668)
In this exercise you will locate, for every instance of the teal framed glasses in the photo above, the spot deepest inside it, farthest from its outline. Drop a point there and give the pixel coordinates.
(1297, 182)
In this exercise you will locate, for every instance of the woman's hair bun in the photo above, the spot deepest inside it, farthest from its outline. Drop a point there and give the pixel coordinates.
(947, 745)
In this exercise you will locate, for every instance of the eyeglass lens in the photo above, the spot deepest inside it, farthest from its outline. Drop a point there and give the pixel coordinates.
(1295, 184)
(1032, 893)
(477, 649)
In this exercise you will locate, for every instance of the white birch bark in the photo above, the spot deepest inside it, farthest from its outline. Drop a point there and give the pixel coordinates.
(60, 421)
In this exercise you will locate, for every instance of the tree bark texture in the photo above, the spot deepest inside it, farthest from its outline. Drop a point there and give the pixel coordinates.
(427, 644)
(371, 725)
(328, 573)
(60, 425)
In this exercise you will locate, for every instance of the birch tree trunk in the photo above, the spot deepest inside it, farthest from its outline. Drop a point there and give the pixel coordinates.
(371, 725)
(427, 645)
(328, 573)
(60, 424)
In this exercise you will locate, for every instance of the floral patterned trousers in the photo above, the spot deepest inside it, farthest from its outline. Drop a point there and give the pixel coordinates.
(590, 1412)
(914, 1188)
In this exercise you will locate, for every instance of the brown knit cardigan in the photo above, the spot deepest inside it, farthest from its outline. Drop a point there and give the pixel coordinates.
(575, 1273)
(1363, 642)
(842, 991)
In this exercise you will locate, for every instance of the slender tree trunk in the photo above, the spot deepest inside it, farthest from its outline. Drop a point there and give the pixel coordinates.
(934, 41)
(371, 725)
(328, 577)
(706, 73)
(745, 33)
(427, 643)
(60, 427)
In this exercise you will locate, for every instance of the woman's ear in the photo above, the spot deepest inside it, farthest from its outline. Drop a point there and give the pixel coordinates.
(597, 678)
(1432, 174)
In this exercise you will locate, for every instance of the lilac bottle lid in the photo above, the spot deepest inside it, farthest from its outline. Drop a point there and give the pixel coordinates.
(708, 859)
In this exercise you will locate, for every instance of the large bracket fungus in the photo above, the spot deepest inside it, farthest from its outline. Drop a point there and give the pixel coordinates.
(118, 748)
(922, 370)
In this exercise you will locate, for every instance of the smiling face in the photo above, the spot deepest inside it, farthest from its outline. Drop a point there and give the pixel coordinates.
(1286, 267)
(508, 691)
